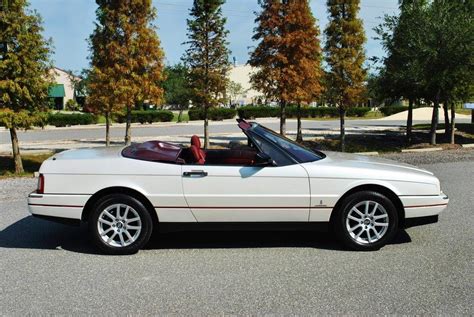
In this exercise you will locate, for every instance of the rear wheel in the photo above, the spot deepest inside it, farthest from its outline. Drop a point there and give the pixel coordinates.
(120, 224)
(366, 221)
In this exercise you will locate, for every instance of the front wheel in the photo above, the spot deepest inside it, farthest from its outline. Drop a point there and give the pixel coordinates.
(120, 224)
(366, 221)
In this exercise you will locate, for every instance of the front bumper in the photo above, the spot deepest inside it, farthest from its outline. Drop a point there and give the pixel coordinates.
(57, 205)
(424, 206)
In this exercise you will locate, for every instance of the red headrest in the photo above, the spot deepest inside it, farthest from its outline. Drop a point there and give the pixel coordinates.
(195, 141)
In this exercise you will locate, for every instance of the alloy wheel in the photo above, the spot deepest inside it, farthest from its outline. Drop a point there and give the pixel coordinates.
(367, 222)
(119, 225)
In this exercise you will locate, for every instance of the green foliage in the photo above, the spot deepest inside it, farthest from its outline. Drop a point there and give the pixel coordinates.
(22, 119)
(388, 111)
(67, 119)
(344, 52)
(249, 112)
(24, 68)
(215, 114)
(207, 56)
(177, 90)
(146, 116)
(72, 105)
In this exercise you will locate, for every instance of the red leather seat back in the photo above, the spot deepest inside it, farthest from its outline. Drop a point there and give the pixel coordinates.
(198, 153)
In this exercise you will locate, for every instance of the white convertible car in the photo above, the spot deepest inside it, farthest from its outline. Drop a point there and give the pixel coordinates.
(124, 193)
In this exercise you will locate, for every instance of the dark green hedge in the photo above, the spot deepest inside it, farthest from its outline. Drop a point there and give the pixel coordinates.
(66, 119)
(215, 114)
(388, 111)
(248, 112)
(146, 116)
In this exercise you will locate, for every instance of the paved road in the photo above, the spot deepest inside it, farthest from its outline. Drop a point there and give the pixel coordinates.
(97, 132)
(50, 268)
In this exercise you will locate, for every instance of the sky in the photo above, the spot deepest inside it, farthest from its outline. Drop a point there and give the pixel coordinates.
(70, 22)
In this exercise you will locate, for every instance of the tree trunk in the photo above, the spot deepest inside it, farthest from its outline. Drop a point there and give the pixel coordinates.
(16, 152)
(107, 129)
(283, 118)
(434, 120)
(453, 122)
(447, 126)
(180, 115)
(410, 121)
(299, 134)
(206, 128)
(128, 127)
(342, 114)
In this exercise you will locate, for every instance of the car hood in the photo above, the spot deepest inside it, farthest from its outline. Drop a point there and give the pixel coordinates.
(365, 160)
(359, 167)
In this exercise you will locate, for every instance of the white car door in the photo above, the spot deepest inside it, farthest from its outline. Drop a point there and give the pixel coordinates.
(247, 193)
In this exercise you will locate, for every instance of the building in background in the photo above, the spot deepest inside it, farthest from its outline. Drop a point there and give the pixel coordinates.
(240, 74)
(63, 89)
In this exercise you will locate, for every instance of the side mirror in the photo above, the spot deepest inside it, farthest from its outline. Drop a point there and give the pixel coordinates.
(263, 159)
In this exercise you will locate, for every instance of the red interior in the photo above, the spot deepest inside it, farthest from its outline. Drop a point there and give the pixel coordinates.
(153, 151)
(167, 152)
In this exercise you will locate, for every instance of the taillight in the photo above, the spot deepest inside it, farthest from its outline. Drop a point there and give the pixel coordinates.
(40, 189)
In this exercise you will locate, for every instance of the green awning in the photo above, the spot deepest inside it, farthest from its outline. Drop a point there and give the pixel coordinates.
(56, 91)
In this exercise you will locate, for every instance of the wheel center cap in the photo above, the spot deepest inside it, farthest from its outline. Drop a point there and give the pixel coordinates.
(119, 225)
(367, 221)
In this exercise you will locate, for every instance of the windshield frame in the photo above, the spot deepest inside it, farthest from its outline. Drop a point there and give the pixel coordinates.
(255, 129)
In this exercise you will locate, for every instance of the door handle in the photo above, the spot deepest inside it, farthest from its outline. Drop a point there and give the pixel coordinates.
(195, 173)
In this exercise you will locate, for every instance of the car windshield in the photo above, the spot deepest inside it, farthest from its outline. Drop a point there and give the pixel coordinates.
(300, 153)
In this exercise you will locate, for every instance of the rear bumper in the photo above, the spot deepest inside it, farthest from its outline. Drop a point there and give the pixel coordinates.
(424, 206)
(57, 205)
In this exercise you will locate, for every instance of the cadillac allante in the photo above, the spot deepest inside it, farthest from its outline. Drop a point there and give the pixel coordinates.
(123, 194)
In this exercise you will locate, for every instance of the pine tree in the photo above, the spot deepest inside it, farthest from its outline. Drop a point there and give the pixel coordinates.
(24, 70)
(345, 56)
(302, 73)
(126, 57)
(207, 56)
(288, 56)
(267, 57)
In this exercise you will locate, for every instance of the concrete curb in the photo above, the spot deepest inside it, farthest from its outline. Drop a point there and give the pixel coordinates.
(429, 149)
(471, 145)
(367, 153)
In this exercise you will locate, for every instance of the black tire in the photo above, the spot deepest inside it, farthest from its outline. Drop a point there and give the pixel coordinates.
(341, 223)
(141, 236)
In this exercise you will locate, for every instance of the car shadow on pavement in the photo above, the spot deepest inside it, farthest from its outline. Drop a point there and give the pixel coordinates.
(34, 233)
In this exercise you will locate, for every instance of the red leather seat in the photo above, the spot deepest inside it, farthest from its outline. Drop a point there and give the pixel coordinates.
(198, 153)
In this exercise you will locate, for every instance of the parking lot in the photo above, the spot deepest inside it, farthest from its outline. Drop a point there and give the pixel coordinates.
(51, 268)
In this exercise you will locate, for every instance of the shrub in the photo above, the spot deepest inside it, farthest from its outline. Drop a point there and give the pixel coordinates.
(66, 119)
(387, 111)
(250, 112)
(72, 105)
(215, 114)
(357, 111)
(146, 116)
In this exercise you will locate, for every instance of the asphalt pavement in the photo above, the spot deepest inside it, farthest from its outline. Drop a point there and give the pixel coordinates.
(50, 268)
